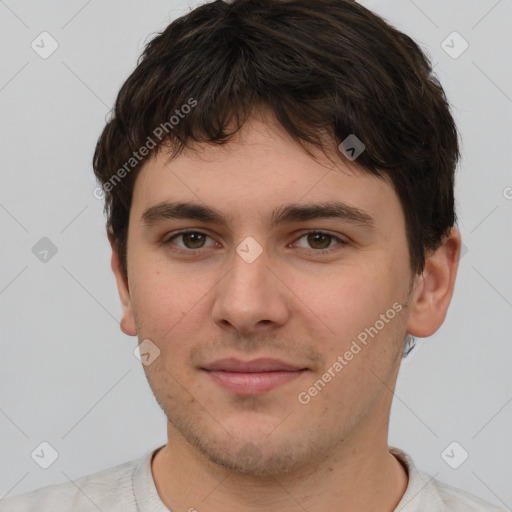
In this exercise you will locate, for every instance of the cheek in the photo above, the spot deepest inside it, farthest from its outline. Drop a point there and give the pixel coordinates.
(347, 303)
(158, 300)
(171, 306)
(344, 298)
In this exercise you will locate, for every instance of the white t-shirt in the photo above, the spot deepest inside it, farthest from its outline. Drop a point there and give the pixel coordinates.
(130, 487)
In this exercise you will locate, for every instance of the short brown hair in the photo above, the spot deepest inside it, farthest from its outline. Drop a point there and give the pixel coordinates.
(321, 66)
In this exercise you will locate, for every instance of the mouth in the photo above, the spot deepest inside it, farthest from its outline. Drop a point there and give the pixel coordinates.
(252, 377)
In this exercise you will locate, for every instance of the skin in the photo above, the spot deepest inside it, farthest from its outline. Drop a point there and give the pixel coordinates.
(292, 303)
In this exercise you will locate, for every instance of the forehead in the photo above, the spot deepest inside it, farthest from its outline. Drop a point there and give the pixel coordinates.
(261, 169)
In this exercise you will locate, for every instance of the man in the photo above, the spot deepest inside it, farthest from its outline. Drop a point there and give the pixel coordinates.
(279, 189)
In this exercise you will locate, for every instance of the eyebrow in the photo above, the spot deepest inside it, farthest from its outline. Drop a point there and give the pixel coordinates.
(284, 214)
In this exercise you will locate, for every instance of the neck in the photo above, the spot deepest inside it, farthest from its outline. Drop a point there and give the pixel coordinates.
(367, 477)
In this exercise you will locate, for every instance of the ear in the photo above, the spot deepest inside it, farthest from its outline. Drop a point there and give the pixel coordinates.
(128, 318)
(433, 289)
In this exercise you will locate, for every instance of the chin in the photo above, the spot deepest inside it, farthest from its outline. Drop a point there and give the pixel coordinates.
(254, 454)
(250, 460)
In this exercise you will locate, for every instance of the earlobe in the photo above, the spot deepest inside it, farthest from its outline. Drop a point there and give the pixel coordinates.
(127, 322)
(433, 289)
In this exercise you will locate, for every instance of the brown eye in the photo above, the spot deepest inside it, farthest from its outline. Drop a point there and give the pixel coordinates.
(319, 240)
(193, 240)
(188, 241)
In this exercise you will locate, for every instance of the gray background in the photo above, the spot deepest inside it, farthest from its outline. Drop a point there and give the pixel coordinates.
(68, 375)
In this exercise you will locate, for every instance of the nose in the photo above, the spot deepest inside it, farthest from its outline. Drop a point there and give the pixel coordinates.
(251, 298)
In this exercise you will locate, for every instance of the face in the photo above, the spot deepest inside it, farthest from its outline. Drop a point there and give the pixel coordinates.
(324, 295)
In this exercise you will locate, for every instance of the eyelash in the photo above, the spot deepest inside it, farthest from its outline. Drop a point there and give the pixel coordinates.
(167, 241)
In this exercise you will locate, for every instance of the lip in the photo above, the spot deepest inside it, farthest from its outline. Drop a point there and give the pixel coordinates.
(262, 364)
(252, 377)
